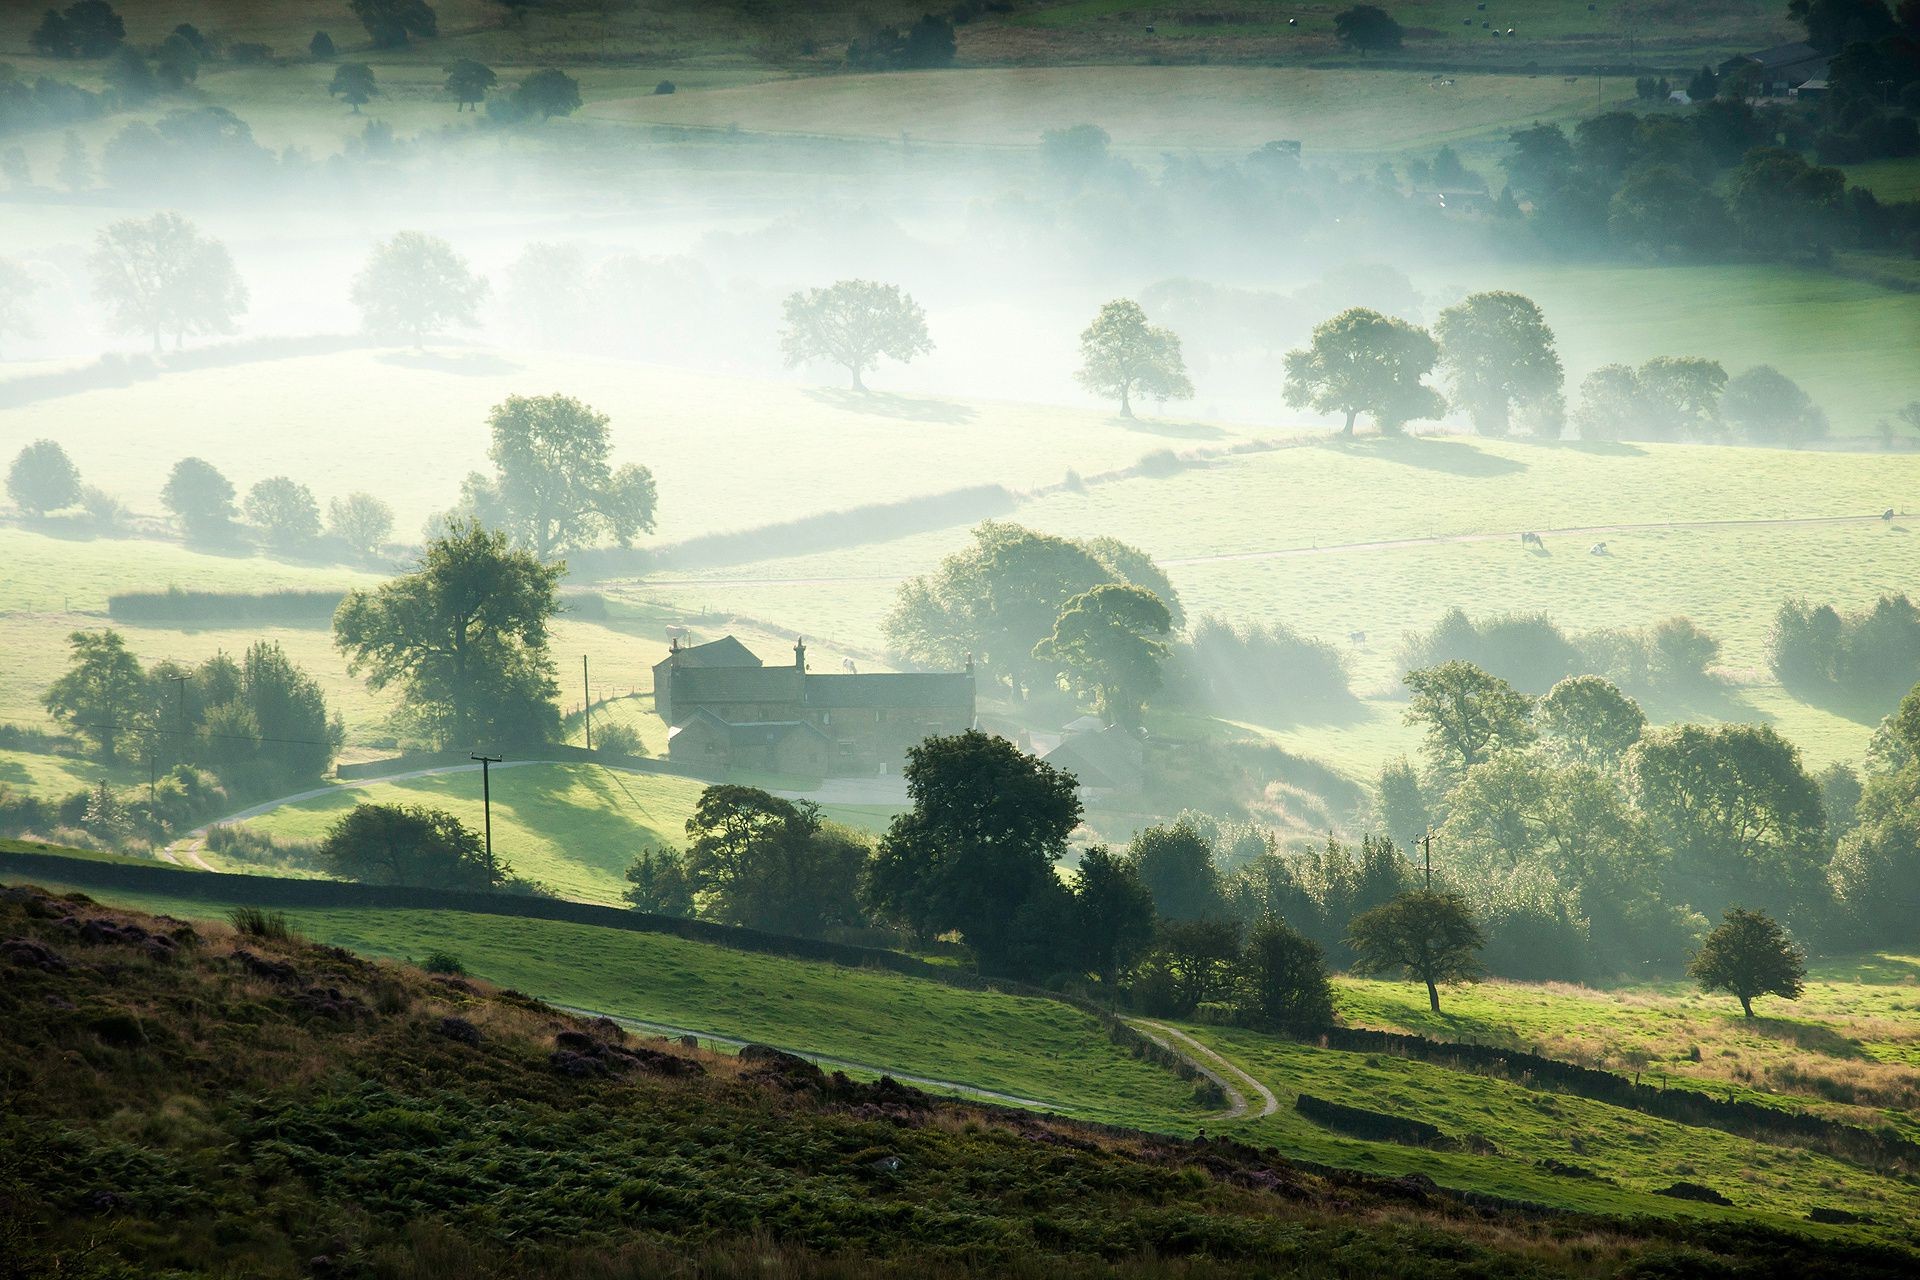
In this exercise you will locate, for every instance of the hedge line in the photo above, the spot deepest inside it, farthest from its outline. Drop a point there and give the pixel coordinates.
(288, 608)
(1375, 1126)
(1683, 1105)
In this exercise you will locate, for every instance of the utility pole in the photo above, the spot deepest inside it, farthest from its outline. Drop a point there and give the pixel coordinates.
(486, 806)
(180, 683)
(1426, 850)
(586, 699)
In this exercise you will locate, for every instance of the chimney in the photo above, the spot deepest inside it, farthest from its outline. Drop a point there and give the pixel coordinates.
(800, 654)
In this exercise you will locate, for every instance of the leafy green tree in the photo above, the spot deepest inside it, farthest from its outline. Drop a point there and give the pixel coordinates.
(1106, 641)
(201, 500)
(177, 62)
(1832, 25)
(84, 29)
(161, 275)
(354, 84)
(1497, 351)
(1367, 28)
(130, 78)
(389, 23)
(361, 521)
(547, 93)
(285, 511)
(1363, 362)
(1749, 954)
(1738, 811)
(1201, 957)
(321, 48)
(1589, 721)
(415, 284)
(658, 884)
(1469, 715)
(260, 725)
(1426, 935)
(1783, 205)
(1771, 408)
(853, 323)
(464, 638)
(408, 844)
(1121, 355)
(1667, 212)
(1176, 865)
(468, 81)
(16, 286)
(1539, 159)
(556, 488)
(1283, 977)
(754, 859)
(1679, 653)
(1680, 396)
(1403, 807)
(43, 478)
(1113, 913)
(1611, 406)
(999, 598)
(103, 693)
(988, 823)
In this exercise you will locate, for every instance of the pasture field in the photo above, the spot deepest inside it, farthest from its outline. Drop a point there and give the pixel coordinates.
(1048, 1052)
(1149, 108)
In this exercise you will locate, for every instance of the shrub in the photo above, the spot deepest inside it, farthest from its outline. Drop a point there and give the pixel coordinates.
(256, 923)
(444, 962)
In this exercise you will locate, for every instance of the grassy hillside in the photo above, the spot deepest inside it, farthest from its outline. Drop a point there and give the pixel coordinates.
(208, 1102)
(1044, 1051)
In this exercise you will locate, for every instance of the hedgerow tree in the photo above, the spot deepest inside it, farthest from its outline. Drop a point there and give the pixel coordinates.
(1122, 355)
(988, 823)
(415, 284)
(42, 479)
(1176, 865)
(320, 48)
(547, 93)
(1497, 351)
(464, 638)
(160, 275)
(554, 486)
(103, 693)
(1367, 28)
(754, 859)
(853, 323)
(657, 883)
(285, 511)
(201, 500)
(1114, 914)
(1589, 721)
(468, 82)
(1283, 977)
(1426, 935)
(409, 844)
(1363, 362)
(84, 29)
(1468, 715)
(1771, 408)
(16, 286)
(354, 84)
(361, 521)
(1108, 643)
(390, 22)
(1749, 954)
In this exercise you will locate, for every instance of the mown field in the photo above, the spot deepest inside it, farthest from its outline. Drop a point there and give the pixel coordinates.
(1047, 1052)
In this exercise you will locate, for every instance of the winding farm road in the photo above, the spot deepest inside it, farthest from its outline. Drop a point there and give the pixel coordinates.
(1213, 1067)
(1341, 548)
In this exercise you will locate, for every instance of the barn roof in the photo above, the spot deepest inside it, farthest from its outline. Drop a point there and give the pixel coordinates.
(724, 652)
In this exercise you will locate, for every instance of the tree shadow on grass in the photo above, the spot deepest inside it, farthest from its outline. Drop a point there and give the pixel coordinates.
(473, 364)
(1866, 709)
(1598, 448)
(1813, 1037)
(1712, 700)
(14, 771)
(1453, 457)
(1171, 430)
(884, 404)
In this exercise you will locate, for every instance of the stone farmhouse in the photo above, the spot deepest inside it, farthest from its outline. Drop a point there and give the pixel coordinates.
(728, 710)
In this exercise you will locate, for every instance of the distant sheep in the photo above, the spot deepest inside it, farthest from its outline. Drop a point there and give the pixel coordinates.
(1533, 540)
(1597, 549)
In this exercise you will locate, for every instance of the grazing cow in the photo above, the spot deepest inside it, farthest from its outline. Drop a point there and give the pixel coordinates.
(676, 633)
(1887, 514)
(1597, 549)
(1356, 637)
(1533, 540)
(846, 665)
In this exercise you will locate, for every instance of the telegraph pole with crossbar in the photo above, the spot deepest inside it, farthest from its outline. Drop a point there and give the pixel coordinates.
(486, 807)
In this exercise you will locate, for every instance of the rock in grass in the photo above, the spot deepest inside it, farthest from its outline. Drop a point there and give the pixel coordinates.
(1694, 1191)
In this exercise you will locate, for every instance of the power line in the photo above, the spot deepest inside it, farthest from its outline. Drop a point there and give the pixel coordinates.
(192, 733)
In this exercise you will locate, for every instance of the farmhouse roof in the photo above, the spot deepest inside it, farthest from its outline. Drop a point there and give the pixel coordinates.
(1112, 759)
(735, 684)
(1782, 55)
(891, 689)
(752, 733)
(724, 652)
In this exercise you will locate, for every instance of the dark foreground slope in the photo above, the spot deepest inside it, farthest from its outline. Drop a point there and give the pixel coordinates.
(184, 1100)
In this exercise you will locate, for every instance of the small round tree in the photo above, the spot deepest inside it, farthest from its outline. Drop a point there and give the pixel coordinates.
(1424, 934)
(361, 521)
(42, 479)
(1367, 28)
(1363, 362)
(853, 323)
(1121, 355)
(1284, 977)
(1497, 351)
(1749, 954)
(1771, 408)
(285, 511)
(353, 84)
(468, 81)
(200, 498)
(415, 284)
(547, 93)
